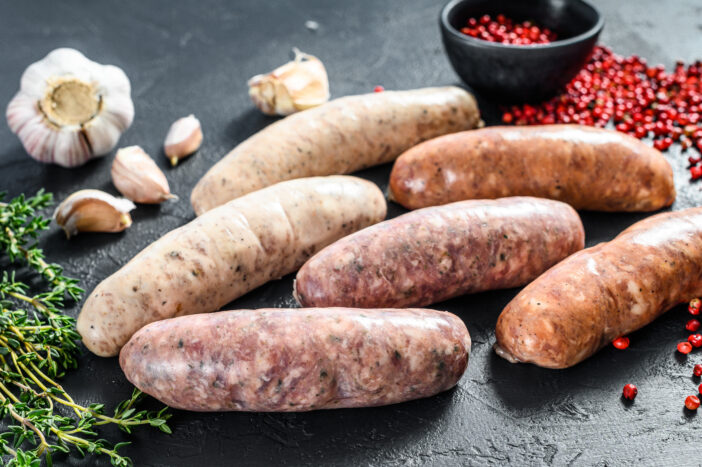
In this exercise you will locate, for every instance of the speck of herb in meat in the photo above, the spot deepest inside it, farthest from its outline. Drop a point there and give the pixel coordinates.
(323, 374)
(180, 343)
(397, 355)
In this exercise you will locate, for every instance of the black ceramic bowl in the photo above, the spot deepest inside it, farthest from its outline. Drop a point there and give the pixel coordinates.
(521, 73)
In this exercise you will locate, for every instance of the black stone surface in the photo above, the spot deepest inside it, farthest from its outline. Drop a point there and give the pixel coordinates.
(196, 57)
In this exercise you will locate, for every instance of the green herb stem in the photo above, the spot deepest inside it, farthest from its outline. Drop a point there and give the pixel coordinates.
(37, 345)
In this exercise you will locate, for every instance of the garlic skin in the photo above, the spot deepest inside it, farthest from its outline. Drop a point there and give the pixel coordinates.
(138, 178)
(297, 85)
(93, 211)
(183, 138)
(70, 109)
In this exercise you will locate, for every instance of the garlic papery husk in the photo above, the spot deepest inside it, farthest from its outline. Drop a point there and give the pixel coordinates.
(138, 178)
(93, 211)
(295, 86)
(70, 109)
(183, 138)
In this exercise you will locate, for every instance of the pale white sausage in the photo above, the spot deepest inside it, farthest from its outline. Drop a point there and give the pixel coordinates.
(229, 251)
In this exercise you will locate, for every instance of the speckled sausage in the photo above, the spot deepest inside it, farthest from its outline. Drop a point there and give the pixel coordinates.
(342, 136)
(588, 168)
(293, 360)
(220, 256)
(433, 254)
(583, 303)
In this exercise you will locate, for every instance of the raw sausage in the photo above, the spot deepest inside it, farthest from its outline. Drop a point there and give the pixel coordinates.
(436, 253)
(600, 293)
(588, 168)
(342, 136)
(216, 258)
(292, 360)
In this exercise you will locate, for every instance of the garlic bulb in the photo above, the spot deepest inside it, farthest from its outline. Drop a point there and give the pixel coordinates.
(70, 109)
(138, 178)
(93, 211)
(183, 138)
(295, 86)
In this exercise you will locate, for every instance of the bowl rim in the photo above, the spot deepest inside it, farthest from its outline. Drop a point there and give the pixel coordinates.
(593, 31)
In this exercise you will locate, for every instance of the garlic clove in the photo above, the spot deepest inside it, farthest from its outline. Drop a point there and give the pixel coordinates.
(138, 178)
(93, 211)
(183, 138)
(297, 85)
(66, 98)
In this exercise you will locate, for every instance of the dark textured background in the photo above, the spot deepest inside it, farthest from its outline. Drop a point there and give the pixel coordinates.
(196, 57)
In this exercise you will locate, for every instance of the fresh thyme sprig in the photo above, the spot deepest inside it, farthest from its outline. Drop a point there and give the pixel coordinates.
(38, 343)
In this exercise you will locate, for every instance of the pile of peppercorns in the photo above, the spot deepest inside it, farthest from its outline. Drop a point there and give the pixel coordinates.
(506, 31)
(639, 100)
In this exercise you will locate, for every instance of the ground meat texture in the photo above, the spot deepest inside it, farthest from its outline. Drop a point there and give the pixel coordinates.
(220, 256)
(433, 254)
(291, 360)
(342, 136)
(583, 303)
(588, 168)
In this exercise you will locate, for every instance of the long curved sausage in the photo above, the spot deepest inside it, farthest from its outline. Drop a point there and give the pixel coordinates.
(220, 256)
(600, 293)
(436, 253)
(588, 168)
(342, 136)
(292, 360)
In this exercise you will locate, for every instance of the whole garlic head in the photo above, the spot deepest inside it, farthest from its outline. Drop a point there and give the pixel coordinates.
(70, 109)
(93, 211)
(138, 178)
(295, 86)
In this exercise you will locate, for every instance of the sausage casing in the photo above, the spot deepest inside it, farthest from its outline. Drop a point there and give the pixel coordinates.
(290, 360)
(436, 253)
(583, 303)
(216, 258)
(339, 137)
(588, 168)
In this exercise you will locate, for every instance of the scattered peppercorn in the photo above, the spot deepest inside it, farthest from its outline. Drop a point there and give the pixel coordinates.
(692, 402)
(638, 99)
(695, 340)
(507, 31)
(621, 343)
(697, 370)
(629, 392)
(692, 325)
(684, 348)
(378, 89)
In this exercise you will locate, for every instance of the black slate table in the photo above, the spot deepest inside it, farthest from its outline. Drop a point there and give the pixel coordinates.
(196, 57)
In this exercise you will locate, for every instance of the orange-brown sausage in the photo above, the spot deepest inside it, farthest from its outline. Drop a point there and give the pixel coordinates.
(584, 302)
(588, 168)
(339, 137)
